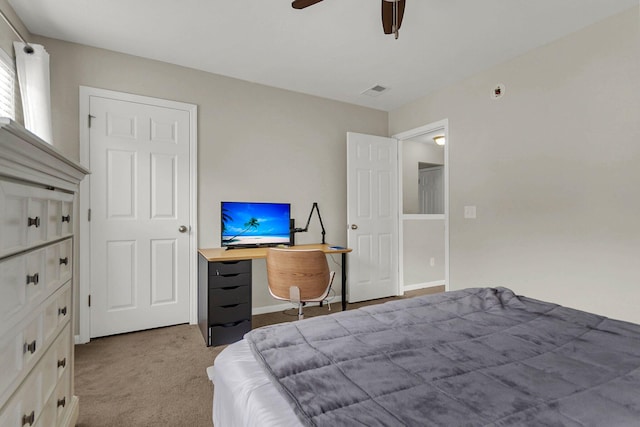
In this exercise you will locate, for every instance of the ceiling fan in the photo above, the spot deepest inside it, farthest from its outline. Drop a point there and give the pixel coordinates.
(392, 12)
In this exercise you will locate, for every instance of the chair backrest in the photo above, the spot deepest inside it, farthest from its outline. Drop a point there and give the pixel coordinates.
(306, 269)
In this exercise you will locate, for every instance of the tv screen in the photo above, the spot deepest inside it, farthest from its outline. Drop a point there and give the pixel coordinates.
(255, 224)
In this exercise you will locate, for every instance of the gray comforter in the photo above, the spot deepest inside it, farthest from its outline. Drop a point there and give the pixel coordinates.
(473, 357)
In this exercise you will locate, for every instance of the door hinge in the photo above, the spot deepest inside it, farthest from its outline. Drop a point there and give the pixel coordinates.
(89, 119)
(89, 298)
(89, 215)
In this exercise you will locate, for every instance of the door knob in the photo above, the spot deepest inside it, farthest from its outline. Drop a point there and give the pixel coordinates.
(183, 229)
(354, 226)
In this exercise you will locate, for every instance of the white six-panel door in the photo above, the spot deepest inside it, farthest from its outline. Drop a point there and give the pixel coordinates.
(372, 216)
(139, 159)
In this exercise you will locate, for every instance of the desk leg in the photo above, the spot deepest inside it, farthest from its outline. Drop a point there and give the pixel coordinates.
(344, 281)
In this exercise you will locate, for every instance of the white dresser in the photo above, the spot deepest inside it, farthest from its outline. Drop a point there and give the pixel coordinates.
(38, 188)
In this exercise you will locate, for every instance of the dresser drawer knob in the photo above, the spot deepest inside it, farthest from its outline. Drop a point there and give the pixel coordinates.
(64, 261)
(66, 218)
(62, 402)
(30, 347)
(62, 363)
(34, 221)
(29, 419)
(33, 279)
(62, 311)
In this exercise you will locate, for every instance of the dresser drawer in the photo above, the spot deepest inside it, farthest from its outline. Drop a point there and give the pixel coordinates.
(62, 350)
(20, 348)
(58, 264)
(57, 311)
(229, 267)
(13, 290)
(35, 278)
(30, 405)
(55, 380)
(25, 406)
(59, 219)
(230, 295)
(65, 259)
(229, 281)
(29, 278)
(32, 339)
(58, 403)
(10, 359)
(31, 216)
(22, 344)
(220, 315)
(226, 334)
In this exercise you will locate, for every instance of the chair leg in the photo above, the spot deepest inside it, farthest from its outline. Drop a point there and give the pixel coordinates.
(300, 315)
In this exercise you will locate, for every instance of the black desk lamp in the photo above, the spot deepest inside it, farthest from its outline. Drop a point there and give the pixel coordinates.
(306, 227)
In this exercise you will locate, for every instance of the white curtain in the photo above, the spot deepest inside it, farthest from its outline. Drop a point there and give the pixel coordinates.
(33, 78)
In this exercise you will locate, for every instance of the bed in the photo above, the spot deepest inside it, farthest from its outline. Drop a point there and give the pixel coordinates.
(473, 357)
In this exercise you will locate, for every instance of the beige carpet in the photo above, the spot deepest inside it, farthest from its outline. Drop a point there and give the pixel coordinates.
(158, 377)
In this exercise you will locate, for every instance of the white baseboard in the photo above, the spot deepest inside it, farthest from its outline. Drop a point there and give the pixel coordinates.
(417, 286)
(337, 300)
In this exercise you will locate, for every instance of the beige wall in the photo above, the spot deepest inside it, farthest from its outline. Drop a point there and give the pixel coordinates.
(255, 143)
(553, 168)
(423, 239)
(7, 36)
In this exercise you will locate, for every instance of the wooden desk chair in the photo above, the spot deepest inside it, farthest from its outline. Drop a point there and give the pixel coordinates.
(299, 276)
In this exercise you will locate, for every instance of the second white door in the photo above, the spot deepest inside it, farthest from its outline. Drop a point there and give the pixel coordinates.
(139, 159)
(372, 216)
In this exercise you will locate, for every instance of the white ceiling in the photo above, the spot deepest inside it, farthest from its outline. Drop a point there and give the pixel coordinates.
(335, 49)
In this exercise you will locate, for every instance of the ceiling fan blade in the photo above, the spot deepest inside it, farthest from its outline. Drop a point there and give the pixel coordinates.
(387, 15)
(301, 4)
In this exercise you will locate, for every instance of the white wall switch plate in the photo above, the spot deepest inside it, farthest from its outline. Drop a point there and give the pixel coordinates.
(470, 212)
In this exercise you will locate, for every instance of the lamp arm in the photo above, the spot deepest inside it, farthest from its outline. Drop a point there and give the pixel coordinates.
(306, 227)
(315, 205)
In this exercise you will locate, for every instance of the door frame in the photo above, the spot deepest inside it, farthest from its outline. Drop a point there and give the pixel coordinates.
(442, 125)
(84, 288)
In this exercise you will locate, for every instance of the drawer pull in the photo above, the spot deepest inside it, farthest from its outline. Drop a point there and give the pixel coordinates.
(30, 347)
(33, 279)
(29, 419)
(62, 363)
(33, 221)
(62, 311)
(62, 402)
(226, 275)
(229, 306)
(64, 261)
(66, 218)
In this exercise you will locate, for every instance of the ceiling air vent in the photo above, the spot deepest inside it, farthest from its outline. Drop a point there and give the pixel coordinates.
(375, 90)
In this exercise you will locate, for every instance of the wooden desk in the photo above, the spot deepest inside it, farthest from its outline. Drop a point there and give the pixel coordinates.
(224, 289)
(221, 254)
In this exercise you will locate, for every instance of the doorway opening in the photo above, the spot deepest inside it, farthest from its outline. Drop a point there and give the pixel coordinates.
(423, 254)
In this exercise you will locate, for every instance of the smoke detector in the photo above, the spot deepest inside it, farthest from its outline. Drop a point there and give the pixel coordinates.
(376, 90)
(497, 91)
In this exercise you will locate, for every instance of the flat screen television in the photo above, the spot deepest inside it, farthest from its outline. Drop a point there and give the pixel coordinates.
(255, 224)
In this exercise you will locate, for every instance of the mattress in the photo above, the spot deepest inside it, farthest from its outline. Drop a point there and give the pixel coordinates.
(481, 356)
(243, 393)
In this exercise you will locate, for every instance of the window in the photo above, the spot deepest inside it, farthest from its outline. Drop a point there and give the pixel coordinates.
(7, 86)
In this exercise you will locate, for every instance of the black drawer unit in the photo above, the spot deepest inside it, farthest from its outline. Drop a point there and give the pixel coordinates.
(224, 300)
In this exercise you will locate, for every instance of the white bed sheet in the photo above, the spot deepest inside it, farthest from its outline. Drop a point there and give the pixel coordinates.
(243, 393)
